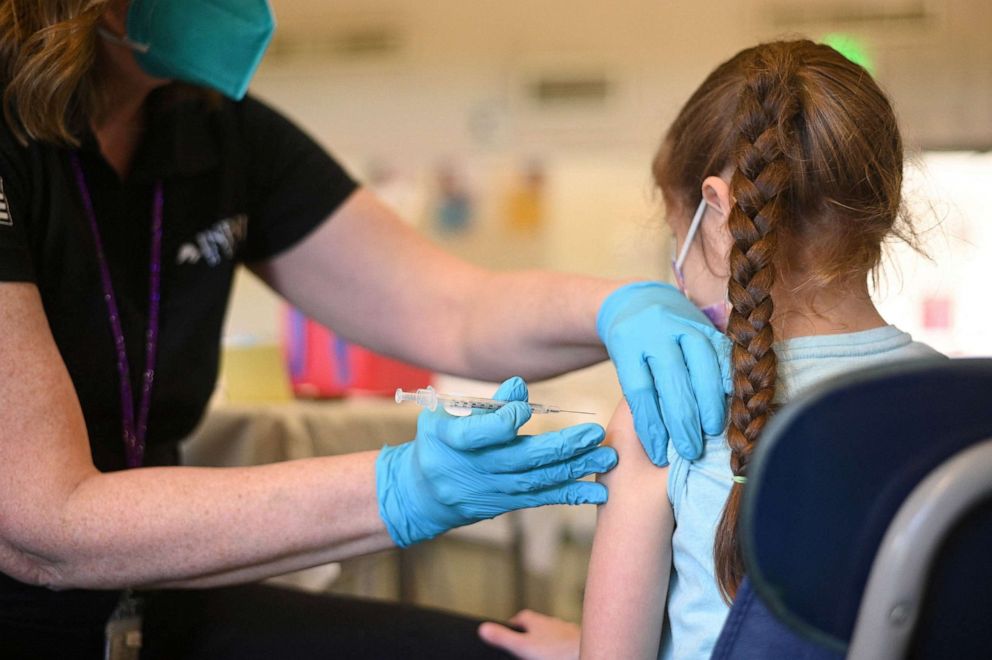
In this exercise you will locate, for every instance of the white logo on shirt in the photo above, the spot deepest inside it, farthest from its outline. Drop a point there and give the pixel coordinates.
(5, 219)
(215, 244)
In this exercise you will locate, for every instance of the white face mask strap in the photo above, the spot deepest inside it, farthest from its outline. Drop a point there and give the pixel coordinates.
(693, 228)
(121, 40)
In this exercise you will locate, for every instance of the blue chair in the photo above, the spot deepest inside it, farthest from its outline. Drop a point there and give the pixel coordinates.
(867, 520)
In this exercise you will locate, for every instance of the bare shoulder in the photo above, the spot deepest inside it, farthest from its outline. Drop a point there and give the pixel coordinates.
(620, 435)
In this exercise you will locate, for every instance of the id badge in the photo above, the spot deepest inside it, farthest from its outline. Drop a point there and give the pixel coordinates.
(122, 639)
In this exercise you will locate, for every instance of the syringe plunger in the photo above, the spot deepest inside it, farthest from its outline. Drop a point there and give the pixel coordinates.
(425, 397)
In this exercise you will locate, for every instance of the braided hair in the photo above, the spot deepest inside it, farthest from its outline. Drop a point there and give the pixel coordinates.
(817, 162)
(761, 186)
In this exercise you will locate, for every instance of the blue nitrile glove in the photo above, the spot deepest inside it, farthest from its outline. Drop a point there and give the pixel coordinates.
(666, 350)
(459, 470)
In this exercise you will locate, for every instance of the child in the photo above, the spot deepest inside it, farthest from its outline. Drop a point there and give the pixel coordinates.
(791, 158)
(781, 177)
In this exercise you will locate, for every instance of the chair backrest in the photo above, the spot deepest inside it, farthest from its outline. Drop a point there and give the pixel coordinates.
(962, 575)
(831, 472)
(950, 506)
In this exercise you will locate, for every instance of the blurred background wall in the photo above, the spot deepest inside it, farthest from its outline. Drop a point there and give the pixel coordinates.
(520, 133)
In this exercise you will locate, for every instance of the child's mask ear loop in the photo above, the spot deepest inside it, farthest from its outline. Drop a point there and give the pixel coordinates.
(718, 313)
(691, 234)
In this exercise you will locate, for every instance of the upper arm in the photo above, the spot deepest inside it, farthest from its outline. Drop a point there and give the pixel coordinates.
(343, 257)
(631, 556)
(44, 452)
(375, 280)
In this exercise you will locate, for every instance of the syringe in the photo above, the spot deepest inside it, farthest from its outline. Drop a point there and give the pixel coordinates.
(430, 398)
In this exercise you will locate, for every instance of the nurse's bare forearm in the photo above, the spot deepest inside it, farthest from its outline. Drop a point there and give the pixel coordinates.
(266, 570)
(179, 525)
(535, 324)
(377, 282)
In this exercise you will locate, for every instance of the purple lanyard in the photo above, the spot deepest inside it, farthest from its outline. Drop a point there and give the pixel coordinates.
(134, 434)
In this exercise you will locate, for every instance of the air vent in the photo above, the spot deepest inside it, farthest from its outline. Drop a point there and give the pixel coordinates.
(852, 15)
(570, 90)
(885, 23)
(366, 42)
(572, 99)
(372, 42)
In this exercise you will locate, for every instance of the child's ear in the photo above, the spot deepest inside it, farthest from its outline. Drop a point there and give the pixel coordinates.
(714, 230)
(716, 192)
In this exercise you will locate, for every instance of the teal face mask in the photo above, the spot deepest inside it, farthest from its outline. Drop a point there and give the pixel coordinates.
(215, 43)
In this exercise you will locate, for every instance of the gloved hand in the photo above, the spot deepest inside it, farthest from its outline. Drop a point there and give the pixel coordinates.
(667, 352)
(459, 470)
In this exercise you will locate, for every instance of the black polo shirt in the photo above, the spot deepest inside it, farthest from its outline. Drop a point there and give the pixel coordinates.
(241, 183)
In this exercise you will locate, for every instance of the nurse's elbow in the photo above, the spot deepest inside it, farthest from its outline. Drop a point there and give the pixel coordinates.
(27, 567)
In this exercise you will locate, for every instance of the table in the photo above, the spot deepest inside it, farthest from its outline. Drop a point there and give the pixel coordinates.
(252, 434)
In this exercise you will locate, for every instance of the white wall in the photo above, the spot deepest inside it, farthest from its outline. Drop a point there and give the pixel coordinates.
(458, 64)
(948, 194)
(454, 90)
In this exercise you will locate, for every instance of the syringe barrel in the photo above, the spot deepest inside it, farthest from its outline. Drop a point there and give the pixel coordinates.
(429, 398)
(479, 403)
(473, 402)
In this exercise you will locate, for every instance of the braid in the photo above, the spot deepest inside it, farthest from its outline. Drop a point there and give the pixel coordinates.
(767, 112)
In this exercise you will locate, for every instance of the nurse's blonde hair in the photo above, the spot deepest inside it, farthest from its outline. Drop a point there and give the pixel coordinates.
(47, 66)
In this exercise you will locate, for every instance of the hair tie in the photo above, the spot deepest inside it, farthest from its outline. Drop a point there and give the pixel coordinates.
(740, 479)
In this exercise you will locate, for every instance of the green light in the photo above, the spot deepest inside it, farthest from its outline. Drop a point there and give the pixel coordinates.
(851, 48)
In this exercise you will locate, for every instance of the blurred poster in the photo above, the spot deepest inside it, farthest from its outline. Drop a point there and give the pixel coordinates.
(940, 297)
(525, 200)
(453, 207)
(937, 313)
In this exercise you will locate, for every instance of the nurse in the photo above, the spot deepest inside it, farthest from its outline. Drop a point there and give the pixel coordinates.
(134, 176)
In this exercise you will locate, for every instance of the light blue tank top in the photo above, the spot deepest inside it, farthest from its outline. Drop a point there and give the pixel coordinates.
(697, 489)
